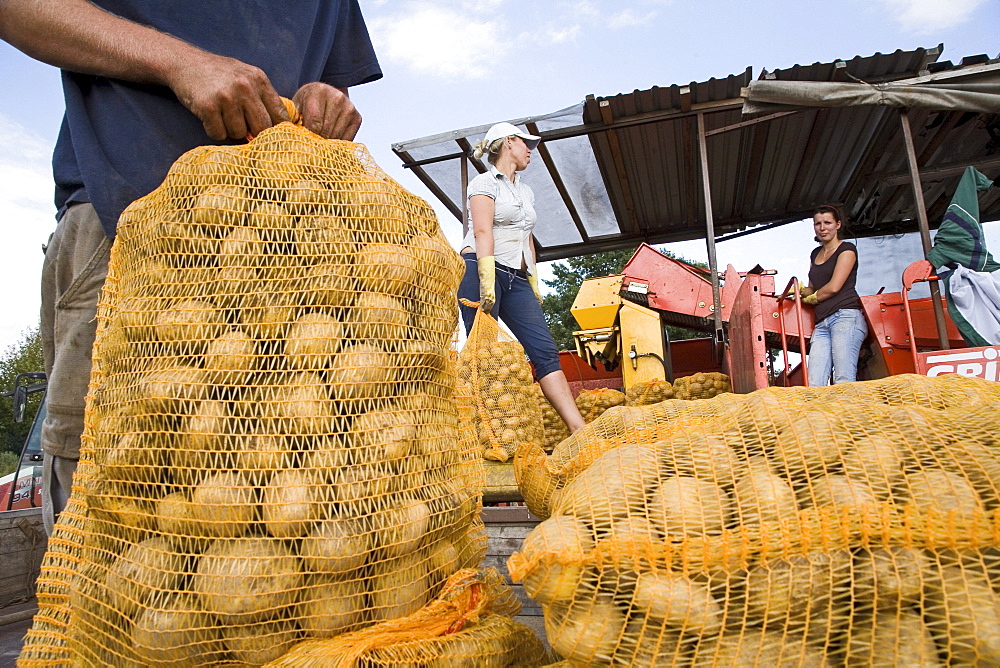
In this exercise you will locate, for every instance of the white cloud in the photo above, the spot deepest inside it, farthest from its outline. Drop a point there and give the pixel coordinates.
(438, 40)
(629, 18)
(27, 211)
(929, 16)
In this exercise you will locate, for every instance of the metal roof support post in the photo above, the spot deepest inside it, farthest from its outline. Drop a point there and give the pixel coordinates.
(465, 194)
(925, 230)
(710, 230)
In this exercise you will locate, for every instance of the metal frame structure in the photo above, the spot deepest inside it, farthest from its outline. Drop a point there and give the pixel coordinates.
(684, 162)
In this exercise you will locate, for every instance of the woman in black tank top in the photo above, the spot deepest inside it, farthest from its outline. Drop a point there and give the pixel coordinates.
(840, 324)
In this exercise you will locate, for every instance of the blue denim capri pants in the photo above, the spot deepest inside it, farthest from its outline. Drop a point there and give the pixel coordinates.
(519, 309)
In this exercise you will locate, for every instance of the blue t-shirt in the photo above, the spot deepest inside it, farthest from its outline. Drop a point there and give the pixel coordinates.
(118, 139)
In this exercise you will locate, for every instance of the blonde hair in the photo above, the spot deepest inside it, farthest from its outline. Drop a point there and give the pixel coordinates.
(491, 151)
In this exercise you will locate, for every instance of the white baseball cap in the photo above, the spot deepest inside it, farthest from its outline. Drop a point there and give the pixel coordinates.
(501, 130)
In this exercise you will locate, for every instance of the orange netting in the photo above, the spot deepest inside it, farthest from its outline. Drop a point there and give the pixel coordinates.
(271, 451)
(498, 377)
(852, 525)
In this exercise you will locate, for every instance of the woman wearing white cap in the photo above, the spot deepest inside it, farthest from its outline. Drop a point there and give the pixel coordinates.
(499, 254)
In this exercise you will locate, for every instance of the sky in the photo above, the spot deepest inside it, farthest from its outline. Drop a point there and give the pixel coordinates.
(451, 64)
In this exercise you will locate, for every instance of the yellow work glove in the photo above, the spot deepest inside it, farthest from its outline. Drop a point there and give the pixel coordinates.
(533, 282)
(810, 299)
(487, 282)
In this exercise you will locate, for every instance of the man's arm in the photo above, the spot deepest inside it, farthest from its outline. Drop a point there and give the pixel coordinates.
(232, 99)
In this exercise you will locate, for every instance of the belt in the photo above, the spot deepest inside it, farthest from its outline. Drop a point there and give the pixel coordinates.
(521, 273)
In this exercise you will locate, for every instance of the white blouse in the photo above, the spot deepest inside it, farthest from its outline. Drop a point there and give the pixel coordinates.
(513, 219)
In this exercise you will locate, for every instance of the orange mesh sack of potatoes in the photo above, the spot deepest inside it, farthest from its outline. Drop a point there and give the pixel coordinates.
(271, 452)
(701, 385)
(649, 392)
(505, 408)
(781, 532)
(592, 403)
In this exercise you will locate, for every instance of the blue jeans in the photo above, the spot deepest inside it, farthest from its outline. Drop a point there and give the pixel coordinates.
(836, 342)
(519, 309)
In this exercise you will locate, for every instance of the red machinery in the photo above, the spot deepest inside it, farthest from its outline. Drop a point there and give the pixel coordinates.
(903, 336)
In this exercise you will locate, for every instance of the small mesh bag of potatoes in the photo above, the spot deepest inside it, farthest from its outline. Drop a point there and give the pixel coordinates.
(593, 403)
(851, 525)
(647, 392)
(498, 376)
(271, 451)
(701, 385)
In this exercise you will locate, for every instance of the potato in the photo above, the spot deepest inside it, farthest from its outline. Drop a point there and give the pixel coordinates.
(753, 647)
(330, 284)
(169, 391)
(142, 572)
(785, 589)
(962, 612)
(703, 455)
(401, 530)
(174, 516)
(291, 503)
(230, 359)
(258, 644)
(892, 638)
(188, 325)
(683, 506)
(554, 551)
(272, 220)
(439, 261)
(763, 497)
(175, 630)
(649, 645)
(389, 269)
(399, 587)
(247, 580)
(133, 457)
(678, 602)
(809, 444)
(324, 238)
(839, 491)
(472, 545)
(611, 488)
(378, 318)
(443, 559)
(308, 197)
(312, 341)
(203, 443)
(890, 577)
(585, 631)
(359, 371)
(944, 493)
(224, 504)
(330, 607)
(220, 206)
(304, 404)
(236, 286)
(336, 546)
(242, 247)
(876, 461)
(263, 453)
(384, 435)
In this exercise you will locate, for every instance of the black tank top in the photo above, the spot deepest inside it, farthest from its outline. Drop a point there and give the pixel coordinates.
(820, 275)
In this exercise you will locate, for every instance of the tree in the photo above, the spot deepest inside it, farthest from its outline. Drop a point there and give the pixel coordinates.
(22, 357)
(566, 284)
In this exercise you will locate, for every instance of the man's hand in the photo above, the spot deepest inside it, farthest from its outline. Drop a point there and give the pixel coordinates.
(327, 111)
(232, 99)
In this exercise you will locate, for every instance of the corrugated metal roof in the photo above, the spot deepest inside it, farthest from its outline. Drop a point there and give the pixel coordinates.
(627, 168)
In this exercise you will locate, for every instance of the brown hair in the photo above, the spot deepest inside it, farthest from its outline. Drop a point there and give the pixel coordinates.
(835, 212)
